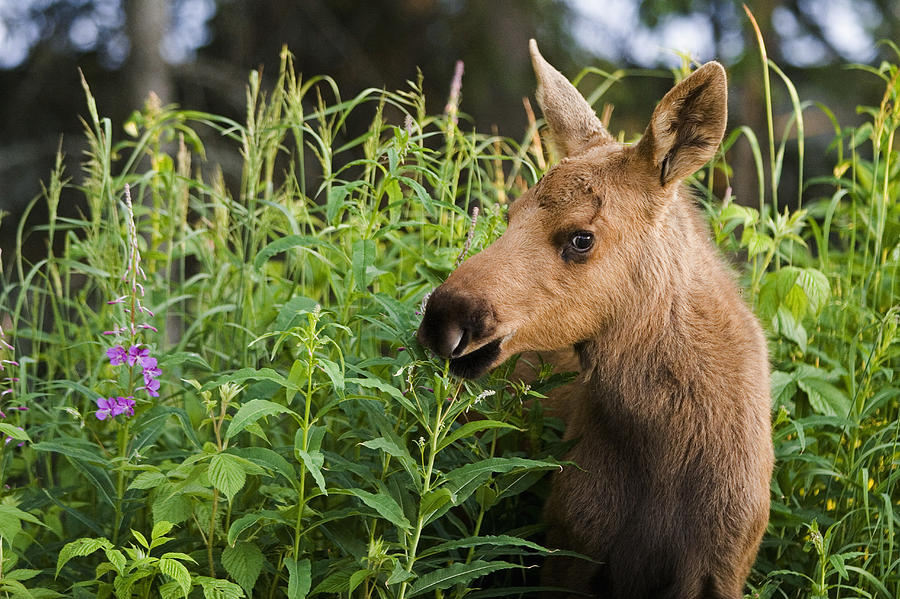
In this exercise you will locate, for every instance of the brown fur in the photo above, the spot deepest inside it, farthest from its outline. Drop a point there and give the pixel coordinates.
(672, 410)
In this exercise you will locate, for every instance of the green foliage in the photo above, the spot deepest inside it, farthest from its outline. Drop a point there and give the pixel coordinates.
(303, 444)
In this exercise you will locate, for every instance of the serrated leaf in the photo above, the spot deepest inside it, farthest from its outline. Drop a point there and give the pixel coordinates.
(243, 562)
(161, 528)
(176, 508)
(147, 480)
(177, 572)
(459, 573)
(252, 411)
(227, 474)
(386, 507)
(216, 588)
(299, 578)
(140, 539)
(80, 548)
(21, 574)
(816, 286)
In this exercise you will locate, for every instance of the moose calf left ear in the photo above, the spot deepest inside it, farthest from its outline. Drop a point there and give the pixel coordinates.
(687, 125)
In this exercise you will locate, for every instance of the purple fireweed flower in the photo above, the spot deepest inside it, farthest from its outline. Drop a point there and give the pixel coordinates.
(126, 406)
(117, 355)
(107, 408)
(114, 406)
(152, 387)
(136, 353)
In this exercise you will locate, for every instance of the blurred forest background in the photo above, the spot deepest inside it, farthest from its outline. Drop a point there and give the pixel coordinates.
(197, 53)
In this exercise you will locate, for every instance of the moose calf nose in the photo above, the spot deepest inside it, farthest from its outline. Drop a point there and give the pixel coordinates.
(446, 325)
(447, 339)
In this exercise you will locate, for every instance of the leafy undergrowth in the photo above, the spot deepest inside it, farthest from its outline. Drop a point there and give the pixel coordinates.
(211, 386)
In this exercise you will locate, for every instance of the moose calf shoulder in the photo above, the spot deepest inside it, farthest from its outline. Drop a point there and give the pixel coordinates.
(607, 255)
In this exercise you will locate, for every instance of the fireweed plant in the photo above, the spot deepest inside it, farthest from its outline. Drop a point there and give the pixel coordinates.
(282, 434)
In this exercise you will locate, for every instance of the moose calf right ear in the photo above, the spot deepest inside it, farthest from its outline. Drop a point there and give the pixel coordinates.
(687, 125)
(573, 123)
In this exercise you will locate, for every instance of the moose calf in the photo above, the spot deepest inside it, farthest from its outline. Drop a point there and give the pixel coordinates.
(607, 255)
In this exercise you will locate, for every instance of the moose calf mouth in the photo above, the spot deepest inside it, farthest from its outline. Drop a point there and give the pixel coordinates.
(478, 362)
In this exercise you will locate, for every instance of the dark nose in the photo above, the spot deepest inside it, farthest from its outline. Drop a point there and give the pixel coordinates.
(450, 323)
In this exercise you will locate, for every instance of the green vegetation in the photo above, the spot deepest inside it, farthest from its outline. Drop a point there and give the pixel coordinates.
(216, 391)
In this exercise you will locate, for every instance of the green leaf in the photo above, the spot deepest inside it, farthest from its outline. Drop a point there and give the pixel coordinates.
(140, 539)
(245, 374)
(266, 458)
(356, 578)
(11, 521)
(158, 535)
(370, 383)
(494, 540)
(176, 508)
(152, 423)
(283, 244)
(227, 474)
(289, 314)
(788, 326)
(433, 501)
(363, 258)
(470, 428)
(215, 588)
(314, 462)
(147, 480)
(398, 575)
(824, 397)
(816, 286)
(14, 431)
(299, 577)
(393, 449)
(76, 449)
(252, 411)
(386, 507)
(176, 571)
(335, 374)
(464, 480)
(80, 548)
(243, 562)
(21, 574)
(459, 573)
(248, 520)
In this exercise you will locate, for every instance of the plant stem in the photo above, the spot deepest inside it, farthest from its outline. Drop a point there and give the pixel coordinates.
(212, 532)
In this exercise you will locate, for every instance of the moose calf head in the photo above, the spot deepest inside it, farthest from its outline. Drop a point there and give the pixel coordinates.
(584, 244)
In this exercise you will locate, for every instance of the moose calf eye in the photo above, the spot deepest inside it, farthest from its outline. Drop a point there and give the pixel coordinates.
(582, 241)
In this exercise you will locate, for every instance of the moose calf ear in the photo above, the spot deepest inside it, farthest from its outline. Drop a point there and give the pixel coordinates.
(687, 125)
(573, 123)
